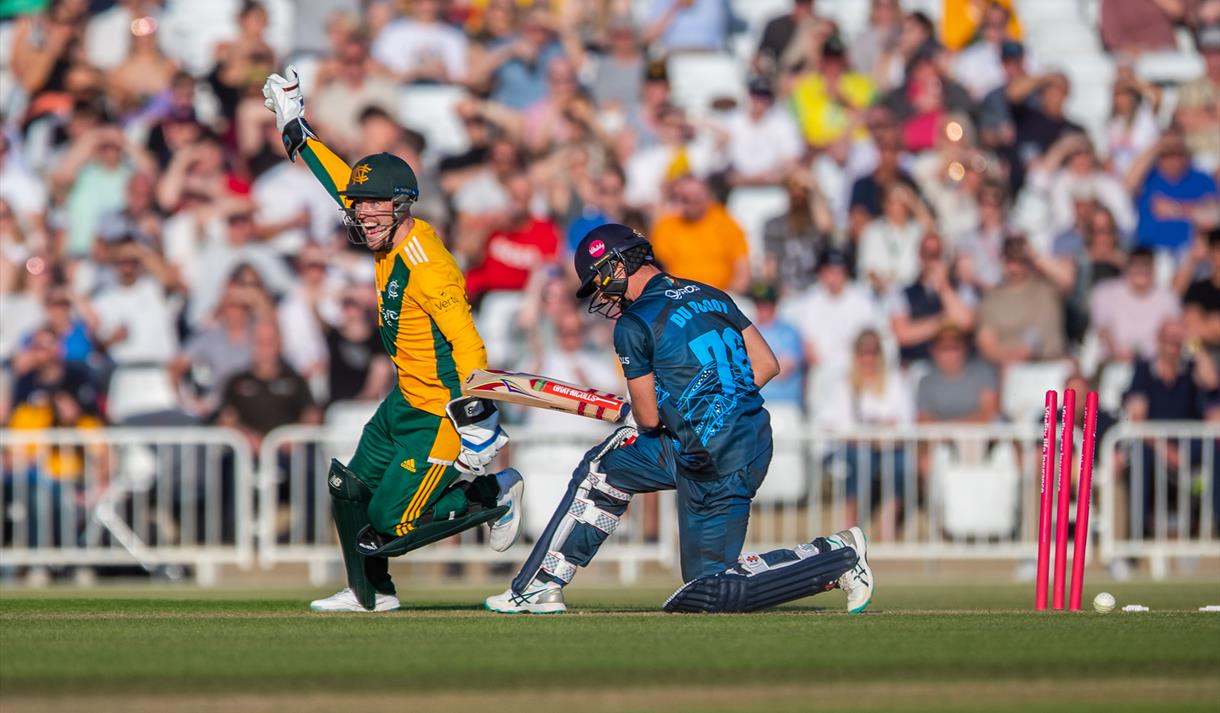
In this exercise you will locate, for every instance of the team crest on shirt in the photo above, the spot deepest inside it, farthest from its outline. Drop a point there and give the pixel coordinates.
(361, 173)
(391, 290)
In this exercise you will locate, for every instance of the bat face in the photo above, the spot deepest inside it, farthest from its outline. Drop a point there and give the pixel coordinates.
(542, 392)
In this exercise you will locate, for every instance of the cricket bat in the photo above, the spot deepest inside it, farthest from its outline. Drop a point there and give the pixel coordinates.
(542, 392)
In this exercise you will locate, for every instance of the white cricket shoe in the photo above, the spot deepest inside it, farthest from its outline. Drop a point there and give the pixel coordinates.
(504, 532)
(345, 600)
(540, 599)
(857, 582)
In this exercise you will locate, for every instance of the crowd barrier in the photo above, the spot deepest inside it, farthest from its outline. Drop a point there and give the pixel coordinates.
(144, 497)
(198, 497)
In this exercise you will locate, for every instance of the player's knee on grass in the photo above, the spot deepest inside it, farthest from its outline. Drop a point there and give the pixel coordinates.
(759, 582)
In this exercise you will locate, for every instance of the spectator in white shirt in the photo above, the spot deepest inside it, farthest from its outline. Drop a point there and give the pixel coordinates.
(873, 395)
(763, 140)
(314, 297)
(135, 321)
(21, 190)
(292, 207)
(889, 246)
(1132, 127)
(422, 47)
(831, 314)
(1070, 169)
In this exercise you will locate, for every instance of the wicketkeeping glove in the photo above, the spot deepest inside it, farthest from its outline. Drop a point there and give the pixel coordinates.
(478, 425)
(283, 96)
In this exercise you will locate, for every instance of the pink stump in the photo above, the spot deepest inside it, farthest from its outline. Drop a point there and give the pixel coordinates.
(1084, 492)
(1046, 497)
(1065, 496)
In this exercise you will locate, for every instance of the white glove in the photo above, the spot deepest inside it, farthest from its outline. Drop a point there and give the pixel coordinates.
(283, 96)
(478, 425)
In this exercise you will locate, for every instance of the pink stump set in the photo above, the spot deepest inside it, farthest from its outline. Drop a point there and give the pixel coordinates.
(1047, 498)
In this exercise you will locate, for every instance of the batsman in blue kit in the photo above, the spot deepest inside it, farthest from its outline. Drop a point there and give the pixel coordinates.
(694, 366)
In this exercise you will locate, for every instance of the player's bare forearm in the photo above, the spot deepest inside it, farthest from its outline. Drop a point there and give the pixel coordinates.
(762, 359)
(643, 392)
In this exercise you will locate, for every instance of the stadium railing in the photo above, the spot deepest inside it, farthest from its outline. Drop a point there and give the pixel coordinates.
(294, 524)
(1162, 500)
(150, 497)
(187, 496)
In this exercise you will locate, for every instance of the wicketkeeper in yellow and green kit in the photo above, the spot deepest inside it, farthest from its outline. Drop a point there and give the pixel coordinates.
(419, 472)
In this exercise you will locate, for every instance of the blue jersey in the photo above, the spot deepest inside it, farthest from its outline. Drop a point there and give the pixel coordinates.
(689, 337)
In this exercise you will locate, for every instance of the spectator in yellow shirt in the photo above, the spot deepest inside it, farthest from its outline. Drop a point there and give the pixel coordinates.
(700, 241)
(830, 102)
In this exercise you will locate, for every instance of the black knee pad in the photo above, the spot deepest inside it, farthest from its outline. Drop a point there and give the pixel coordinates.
(349, 505)
(733, 591)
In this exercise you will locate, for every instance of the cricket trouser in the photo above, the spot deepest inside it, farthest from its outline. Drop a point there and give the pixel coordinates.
(405, 462)
(712, 515)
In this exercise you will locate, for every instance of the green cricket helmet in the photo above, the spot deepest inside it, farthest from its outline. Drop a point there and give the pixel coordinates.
(380, 176)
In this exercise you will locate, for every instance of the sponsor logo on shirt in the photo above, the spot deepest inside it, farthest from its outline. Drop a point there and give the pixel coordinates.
(409, 464)
(625, 361)
(680, 292)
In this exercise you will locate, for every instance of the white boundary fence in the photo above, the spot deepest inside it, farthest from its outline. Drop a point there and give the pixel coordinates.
(294, 508)
(119, 496)
(187, 496)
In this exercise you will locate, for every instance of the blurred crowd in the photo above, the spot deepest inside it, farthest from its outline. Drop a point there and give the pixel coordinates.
(909, 212)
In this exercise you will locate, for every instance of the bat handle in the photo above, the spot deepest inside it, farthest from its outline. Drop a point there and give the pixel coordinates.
(626, 418)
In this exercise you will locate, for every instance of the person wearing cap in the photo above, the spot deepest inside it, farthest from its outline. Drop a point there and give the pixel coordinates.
(694, 366)
(403, 488)
(788, 387)
(764, 142)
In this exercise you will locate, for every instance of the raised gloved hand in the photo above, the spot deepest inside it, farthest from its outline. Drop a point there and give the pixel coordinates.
(283, 96)
(478, 425)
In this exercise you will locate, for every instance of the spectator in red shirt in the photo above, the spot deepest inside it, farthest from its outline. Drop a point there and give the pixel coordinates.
(514, 244)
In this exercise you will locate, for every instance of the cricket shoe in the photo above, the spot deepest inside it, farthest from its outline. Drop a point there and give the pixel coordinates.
(504, 532)
(541, 598)
(857, 582)
(345, 600)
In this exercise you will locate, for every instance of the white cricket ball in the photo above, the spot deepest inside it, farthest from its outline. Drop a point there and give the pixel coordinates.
(1104, 602)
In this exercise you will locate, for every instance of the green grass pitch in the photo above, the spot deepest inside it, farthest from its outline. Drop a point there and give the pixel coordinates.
(919, 648)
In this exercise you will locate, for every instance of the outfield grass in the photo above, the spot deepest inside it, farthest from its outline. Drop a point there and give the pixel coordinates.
(920, 648)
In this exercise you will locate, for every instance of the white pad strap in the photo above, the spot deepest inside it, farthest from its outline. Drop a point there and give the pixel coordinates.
(556, 565)
(752, 563)
(584, 510)
(597, 481)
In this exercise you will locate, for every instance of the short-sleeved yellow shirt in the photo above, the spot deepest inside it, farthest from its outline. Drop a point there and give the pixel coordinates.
(705, 250)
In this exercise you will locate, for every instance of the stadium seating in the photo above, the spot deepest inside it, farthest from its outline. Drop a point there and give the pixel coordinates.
(787, 479)
(1023, 394)
(698, 78)
(752, 207)
(429, 109)
(139, 391)
(976, 499)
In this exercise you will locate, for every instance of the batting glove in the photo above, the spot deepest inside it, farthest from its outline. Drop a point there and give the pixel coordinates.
(283, 96)
(478, 425)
